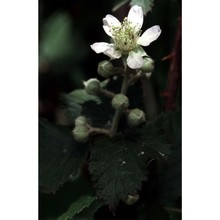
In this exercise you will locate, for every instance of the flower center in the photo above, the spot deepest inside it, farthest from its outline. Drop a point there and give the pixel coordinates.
(125, 37)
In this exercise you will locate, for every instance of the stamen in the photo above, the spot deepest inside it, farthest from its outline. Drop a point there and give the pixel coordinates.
(125, 36)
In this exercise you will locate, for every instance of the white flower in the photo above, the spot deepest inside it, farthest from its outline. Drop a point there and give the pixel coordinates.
(126, 37)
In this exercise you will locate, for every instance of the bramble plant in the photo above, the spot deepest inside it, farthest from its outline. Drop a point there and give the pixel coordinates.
(111, 141)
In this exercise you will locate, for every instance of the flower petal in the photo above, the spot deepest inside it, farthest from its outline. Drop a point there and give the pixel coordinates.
(149, 35)
(136, 17)
(135, 60)
(112, 52)
(108, 22)
(100, 47)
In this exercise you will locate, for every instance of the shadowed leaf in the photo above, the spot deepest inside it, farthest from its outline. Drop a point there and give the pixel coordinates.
(60, 157)
(118, 166)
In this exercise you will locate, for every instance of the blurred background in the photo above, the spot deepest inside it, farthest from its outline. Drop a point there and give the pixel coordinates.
(67, 28)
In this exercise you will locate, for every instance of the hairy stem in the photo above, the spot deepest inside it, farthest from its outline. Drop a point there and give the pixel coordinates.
(106, 93)
(93, 130)
(149, 99)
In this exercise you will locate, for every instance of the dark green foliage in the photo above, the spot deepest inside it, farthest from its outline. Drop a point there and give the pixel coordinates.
(146, 160)
(97, 109)
(170, 179)
(118, 166)
(60, 157)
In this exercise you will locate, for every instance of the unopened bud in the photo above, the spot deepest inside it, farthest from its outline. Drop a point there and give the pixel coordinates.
(92, 86)
(81, 134)
(136, 117)
(120, 101)
(131, 199)
(148, 65)
(81, 120)
(105, 69)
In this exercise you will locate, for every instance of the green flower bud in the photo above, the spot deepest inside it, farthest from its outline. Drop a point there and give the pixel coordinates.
(81, 133)
(81, 120)
(148, 65)
(131, 199)
(136, 117)
(105, 69)
(120, 101)
(92, 86)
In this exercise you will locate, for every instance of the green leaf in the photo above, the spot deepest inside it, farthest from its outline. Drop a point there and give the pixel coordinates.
(145, 4)
(80, 96)
(118, 166)
(60, 157)
(78, 102)
(118, 4)
(56, 39)
(77, 207)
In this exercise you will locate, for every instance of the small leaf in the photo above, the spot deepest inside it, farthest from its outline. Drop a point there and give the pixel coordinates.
(77, 207)
(145, 4)
(59, 156)
(118, 4)
(80, 96)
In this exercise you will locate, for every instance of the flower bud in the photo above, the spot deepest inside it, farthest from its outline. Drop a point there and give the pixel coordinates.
(81, 133)
(120, 101)
(131, 199)
(81, 120)
(105, 69)
(136, 117)
(92, 86)
(148, 65)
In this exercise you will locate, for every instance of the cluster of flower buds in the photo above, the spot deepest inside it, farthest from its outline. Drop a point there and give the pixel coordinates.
(135, 117)
(81, 131)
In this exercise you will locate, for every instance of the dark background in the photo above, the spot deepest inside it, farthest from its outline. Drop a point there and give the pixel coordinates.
(67, 28)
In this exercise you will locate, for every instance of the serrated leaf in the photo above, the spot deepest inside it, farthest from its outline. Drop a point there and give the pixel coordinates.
(118, 4)
(116, 169)
(118, 166)
(59, 156)
(77, 207)
(145, 4)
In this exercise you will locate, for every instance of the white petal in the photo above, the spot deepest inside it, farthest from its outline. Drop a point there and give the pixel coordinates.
(110, 21)
(100, 47)
(149, 35)
(136, 17)
(112, 52)
(135, 60)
